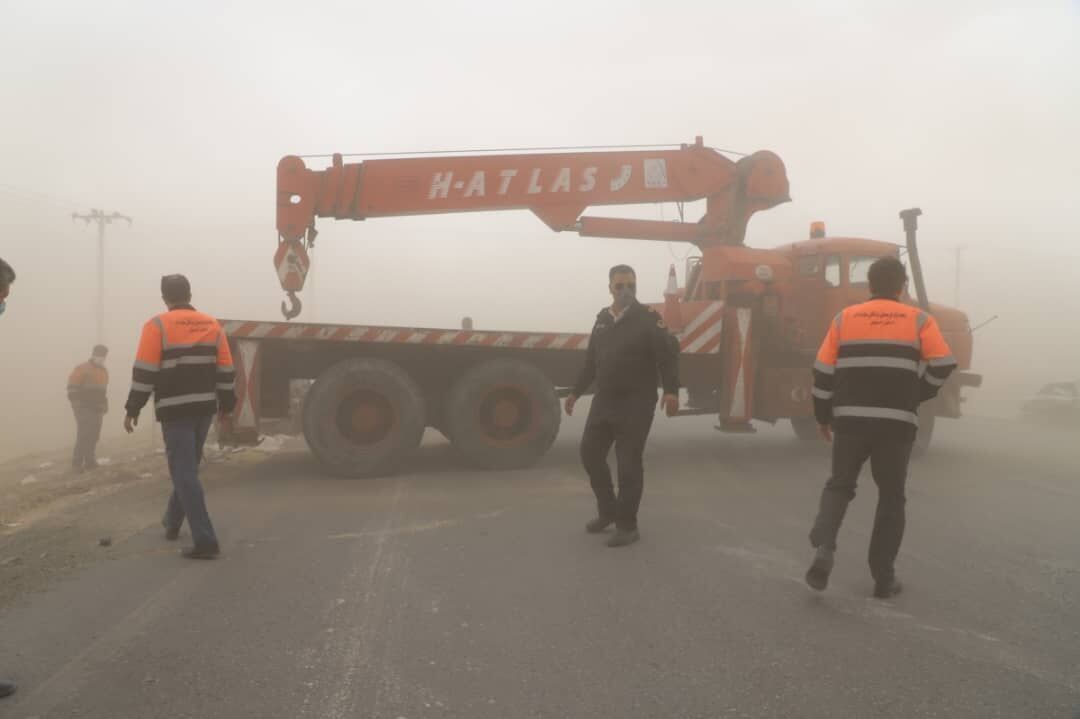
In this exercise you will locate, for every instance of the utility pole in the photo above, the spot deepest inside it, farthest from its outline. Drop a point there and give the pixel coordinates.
(102, 220)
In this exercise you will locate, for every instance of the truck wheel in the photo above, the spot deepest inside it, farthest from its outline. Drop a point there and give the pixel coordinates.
(503, 414)
(805, 428)
(362, 417)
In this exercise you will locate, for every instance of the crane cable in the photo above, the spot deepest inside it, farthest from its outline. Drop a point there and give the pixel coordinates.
(670, 249)
(514, 149)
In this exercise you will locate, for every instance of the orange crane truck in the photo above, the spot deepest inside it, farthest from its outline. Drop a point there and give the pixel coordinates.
(748, 320)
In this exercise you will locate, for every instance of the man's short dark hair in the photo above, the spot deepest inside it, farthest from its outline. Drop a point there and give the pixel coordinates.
(7, 275)
(887, 277)
(175, 289)
(620, 270)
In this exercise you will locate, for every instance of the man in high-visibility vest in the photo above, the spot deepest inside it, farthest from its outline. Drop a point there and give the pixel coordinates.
(184, 360)
(879, 361)
(87, 391)
(7, 277)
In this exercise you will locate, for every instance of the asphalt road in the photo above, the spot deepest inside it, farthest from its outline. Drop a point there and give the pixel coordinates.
(451, 593)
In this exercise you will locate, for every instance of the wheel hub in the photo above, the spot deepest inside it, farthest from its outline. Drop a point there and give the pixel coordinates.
(366, 417)
(505, 415)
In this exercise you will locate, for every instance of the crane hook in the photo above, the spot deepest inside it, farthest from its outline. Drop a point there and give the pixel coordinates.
(293, 308)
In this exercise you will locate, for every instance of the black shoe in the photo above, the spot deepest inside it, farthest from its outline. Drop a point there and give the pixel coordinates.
(624, 537)
(887, 589)
(7, 688)
(595, 526)
(817, 576)
(170, 534)
(209, 551)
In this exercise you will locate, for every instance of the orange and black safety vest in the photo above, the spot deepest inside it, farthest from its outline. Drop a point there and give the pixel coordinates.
(88, 386)
(184, 360)
(879, 360)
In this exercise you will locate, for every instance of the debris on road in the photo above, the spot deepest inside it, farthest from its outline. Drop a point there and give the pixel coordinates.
(271, 443)
(105, 542)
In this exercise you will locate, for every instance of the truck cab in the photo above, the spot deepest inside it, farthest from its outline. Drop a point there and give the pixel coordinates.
(831, 274)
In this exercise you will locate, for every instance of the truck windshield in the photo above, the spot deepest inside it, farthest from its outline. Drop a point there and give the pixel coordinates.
(858, 268)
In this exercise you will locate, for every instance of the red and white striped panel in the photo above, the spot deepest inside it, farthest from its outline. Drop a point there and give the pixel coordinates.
(246, 362)
(703, 333)
(740, 369)
(238, 329)
(701, 336)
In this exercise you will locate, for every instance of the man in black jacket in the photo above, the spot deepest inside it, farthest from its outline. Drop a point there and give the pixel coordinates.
(630, 352)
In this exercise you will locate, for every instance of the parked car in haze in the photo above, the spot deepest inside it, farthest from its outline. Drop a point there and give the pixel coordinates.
(1055, 402)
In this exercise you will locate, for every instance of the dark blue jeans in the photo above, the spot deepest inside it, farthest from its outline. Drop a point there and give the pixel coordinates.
(184, 440)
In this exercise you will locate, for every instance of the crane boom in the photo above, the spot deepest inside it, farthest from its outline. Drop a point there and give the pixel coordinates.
(556, 187)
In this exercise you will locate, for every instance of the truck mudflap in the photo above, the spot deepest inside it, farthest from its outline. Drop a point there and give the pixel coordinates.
(949, 401)
(969, 379)
(737, 388)
(245, 418)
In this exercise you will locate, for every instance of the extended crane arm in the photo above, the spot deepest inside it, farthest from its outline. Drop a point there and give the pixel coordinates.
(556, 187)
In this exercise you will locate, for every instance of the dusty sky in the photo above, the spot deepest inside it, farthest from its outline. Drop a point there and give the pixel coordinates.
(967, 109)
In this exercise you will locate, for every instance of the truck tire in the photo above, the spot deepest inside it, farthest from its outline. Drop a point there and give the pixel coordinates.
(363, 417)
(502, 414)
(805, 428)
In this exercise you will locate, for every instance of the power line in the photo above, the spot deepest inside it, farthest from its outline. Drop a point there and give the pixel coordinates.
(26, 195)
(32, 199)
(568, 148)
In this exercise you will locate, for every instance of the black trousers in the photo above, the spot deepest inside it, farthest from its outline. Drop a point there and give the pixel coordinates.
(87, 434)
(889, 466)
(624, 424)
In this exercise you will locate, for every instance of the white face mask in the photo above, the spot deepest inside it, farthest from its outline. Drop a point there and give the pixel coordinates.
(99, 361)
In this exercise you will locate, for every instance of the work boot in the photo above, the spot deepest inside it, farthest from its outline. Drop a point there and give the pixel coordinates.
(623, 537)
(817, 576)
(92, 464)
(887, 589)
(207, 551)
(170, 534)
(7, 688)
(595, 526)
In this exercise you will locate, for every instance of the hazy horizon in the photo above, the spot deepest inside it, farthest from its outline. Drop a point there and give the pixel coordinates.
(967, 110)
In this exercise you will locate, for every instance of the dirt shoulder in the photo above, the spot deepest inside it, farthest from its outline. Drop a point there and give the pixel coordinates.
(53, 521)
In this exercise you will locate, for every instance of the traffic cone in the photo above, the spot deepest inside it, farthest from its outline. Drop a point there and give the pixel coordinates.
(672, 309)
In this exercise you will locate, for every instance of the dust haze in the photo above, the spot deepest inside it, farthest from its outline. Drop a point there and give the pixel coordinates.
(177, 118)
